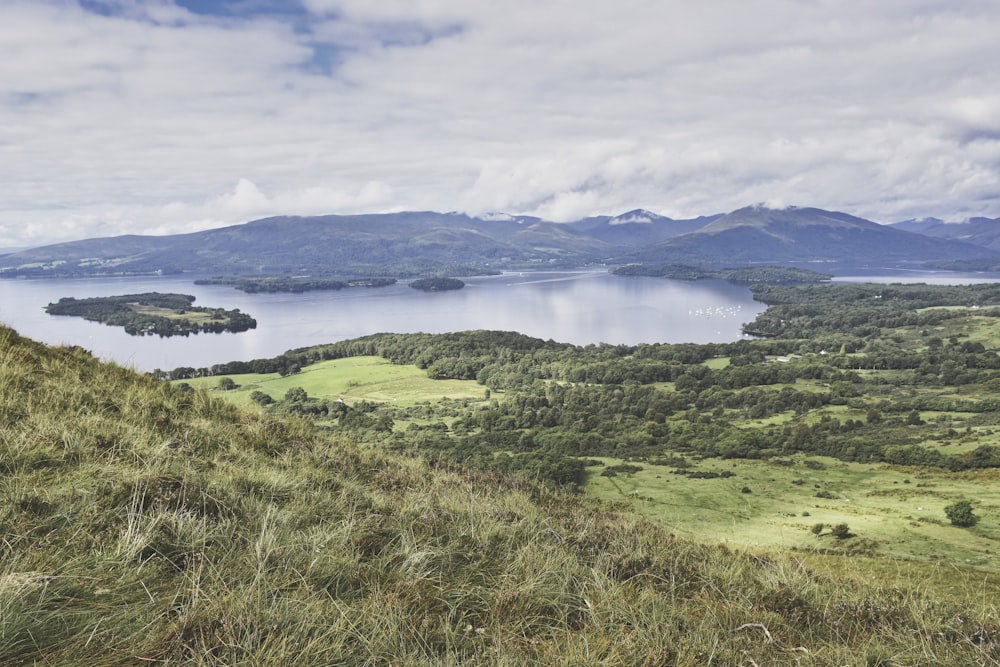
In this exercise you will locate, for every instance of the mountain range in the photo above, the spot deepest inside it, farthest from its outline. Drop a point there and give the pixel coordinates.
(983, 232)
(414, 243)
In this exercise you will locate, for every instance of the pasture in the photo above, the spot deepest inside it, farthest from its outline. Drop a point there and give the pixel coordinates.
(891, 511)
(352, 380)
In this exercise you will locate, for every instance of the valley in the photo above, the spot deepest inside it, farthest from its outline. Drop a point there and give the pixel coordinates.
(753, 443)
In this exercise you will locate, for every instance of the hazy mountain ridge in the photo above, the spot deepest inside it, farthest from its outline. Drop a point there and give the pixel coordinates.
(979, 231)
(802, 236)
(425, 242)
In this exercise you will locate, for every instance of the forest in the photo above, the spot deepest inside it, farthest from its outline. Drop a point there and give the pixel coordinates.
(154, 314)
(898, 374)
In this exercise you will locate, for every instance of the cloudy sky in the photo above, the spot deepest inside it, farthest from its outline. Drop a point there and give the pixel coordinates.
(163, 116)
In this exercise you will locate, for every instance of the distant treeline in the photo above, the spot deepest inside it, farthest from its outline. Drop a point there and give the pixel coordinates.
(746, 275)
(153, 313)
(293, 284)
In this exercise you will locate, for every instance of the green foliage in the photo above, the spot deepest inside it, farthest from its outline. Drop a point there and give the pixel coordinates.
(260, 398)
(960, 514)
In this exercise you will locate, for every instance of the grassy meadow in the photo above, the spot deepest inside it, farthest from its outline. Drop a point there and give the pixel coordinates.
(352, 379)
(146, 525)
(890, 511)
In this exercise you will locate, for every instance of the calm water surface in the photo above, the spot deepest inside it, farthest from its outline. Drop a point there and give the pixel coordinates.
(578, 307)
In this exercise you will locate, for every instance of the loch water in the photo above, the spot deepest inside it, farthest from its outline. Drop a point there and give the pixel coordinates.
(581, 307)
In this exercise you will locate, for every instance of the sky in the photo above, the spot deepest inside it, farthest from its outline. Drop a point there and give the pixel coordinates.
(171, 116)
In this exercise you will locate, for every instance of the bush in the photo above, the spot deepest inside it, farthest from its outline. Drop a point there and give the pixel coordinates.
(960, 514)
(841, 531)
(260, 398)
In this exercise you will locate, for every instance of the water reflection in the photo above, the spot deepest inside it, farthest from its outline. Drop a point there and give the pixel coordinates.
(576, 307)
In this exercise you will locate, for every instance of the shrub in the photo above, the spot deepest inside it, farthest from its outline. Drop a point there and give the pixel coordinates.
(841, 531)
(260, 398)
(960, 514)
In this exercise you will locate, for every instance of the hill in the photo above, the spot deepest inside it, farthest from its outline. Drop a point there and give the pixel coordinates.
(808, 237)
(144, 524)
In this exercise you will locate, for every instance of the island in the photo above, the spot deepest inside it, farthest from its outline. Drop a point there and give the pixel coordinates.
(153, 313)
(293, 284)
(437, 284)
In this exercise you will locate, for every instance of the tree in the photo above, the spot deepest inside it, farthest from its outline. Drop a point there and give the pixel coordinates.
(227, 384)
(960, 514)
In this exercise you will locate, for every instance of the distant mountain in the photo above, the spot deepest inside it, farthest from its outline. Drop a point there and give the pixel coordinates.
(637, 228)
(422, 243)
(412, 242)
(918, 225)
(807, 237)
(984, 232)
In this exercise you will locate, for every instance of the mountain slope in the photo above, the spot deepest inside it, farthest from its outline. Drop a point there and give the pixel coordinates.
(637, 228)
(983, 232)
(802, 236)
(395, 242)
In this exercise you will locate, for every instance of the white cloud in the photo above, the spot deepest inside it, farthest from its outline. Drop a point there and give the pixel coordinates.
(144, 120)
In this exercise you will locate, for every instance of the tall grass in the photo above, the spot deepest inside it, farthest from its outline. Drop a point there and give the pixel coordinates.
(143, 525)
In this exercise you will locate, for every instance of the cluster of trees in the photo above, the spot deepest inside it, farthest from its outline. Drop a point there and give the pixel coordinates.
(131, 311)
(296, 285)
(439, 284)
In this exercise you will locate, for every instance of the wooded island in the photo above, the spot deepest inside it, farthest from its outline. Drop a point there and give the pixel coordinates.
(153, 313)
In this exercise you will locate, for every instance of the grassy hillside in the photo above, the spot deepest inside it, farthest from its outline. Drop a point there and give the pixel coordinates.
(891, 510)
(146, 525)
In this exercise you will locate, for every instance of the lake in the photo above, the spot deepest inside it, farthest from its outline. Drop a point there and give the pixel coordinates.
(579, 307)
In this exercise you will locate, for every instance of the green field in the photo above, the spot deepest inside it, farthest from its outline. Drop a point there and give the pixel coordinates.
(351, 380)
(891, 511)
